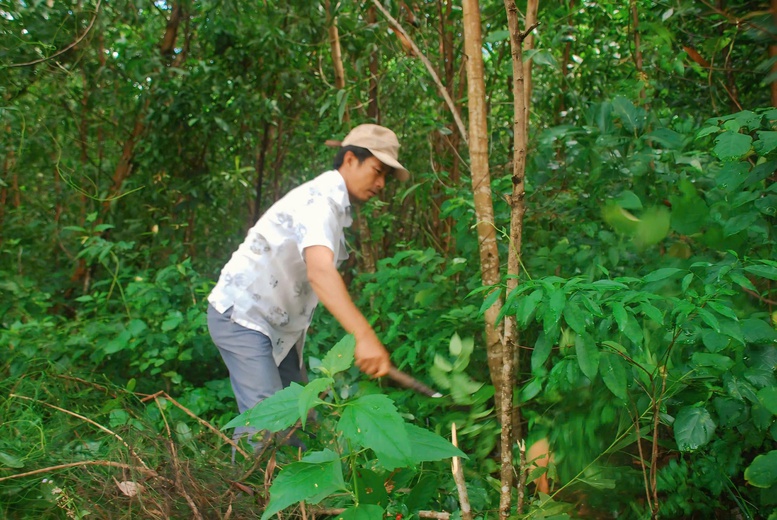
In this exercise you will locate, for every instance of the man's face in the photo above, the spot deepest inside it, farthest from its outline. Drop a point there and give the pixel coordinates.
(363, 180)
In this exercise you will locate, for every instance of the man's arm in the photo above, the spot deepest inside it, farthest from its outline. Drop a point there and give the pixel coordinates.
(371, 356)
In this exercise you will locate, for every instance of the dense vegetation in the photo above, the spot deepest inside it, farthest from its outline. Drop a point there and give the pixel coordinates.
(140, 140)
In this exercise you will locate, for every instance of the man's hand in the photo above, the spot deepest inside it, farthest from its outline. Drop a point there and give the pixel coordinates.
(372, 358)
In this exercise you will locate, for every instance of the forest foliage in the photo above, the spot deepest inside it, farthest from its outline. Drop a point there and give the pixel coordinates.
(140, 140)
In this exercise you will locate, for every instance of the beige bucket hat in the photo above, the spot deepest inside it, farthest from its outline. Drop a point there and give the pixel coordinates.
(383, 144)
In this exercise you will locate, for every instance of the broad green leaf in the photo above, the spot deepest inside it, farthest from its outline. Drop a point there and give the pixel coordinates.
(490, 300)
(732, 146)
(633, 331)
(527, 306)
(766, 142)
(739, 223)
(339, 357)
(309, 396)
(662, 274)
(742, 280)
(556, 304)
(768, 397)
(693, 428)
(277, 412)
(442, 363)
(714, 341)
(631, 116)
(622, 221)
(587, 355)
(428, 446)
(574, 317)
(613, 372)
(709, 318)
(628, 200)
(362, 512)
(466, 347)
(723, 310)
(371, 488)
(652, 312)
(531, 389)
(758, 331)
(497, 36)
(762, 472)
(314, 478)
(372, 421)
(620, 315)
(704, 359)
(541, 352)
(764, 271)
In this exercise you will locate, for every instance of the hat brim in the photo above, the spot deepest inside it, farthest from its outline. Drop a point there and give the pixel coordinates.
(400, 171)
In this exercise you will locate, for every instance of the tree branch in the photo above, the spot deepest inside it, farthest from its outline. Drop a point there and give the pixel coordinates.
(430, 68)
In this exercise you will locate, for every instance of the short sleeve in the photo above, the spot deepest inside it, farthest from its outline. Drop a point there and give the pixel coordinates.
(317, 225)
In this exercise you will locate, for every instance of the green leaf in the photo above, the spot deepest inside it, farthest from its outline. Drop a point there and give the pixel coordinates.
(693, 428)
(662, 274)
(768, 397)
(613, 374)
(541, 352)
(339, 357)
(556, 304)
(362, 512)
(652, 312)
(630, 115)
(719, 361)
(764, 271)
(371, 488)
(372, 421)
(308, 398)
(587, 355)
(732, 146)
(742, 280)
(527, 306)
(276, 413)
(314, 478)
(426, 446)
(10, 461)
(758, 331)
(620, 315)
(490, 300)
(455, 347)
(497, 36)
(723, 310)
(767, 141)
(762, 472)
(628, 200)
(574, 317)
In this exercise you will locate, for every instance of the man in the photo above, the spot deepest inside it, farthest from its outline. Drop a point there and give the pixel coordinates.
(261, 307)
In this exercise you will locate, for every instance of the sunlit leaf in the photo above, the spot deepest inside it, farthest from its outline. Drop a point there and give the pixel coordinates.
(372, 421)
(339, 357)
(308, 398)
(277, 412)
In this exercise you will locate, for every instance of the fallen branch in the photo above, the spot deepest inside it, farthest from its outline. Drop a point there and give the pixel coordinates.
(85, 419)
(177, 464)
(205, 423)
(334, 511)
(107, 463)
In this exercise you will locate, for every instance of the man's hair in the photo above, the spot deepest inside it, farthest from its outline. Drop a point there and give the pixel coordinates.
(362, 154)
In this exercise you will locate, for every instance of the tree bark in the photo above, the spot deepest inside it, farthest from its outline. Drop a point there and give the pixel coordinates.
(484, 212)
(511, 361)
(637, 45)
(337, 56)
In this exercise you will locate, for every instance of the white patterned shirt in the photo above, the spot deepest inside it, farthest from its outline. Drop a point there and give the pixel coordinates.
(265, 282)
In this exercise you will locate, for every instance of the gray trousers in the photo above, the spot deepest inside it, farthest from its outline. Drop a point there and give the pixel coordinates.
(252, 370)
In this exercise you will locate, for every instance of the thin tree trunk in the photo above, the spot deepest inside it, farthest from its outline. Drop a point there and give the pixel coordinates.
(337, 56)
(637, 45)
(773, 55)
(260, 162)
(373, 105)
(484, 212)
(520, 131)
